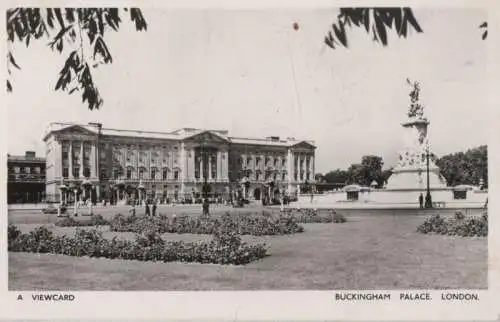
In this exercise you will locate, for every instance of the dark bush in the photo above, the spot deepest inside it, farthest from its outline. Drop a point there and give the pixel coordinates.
(313, 216)
(257, 224)
(456, 226)
(13, 232)
(95, 220)
(459, 215)
(226, 247)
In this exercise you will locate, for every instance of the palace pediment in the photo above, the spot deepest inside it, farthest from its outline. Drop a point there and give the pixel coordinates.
(206, 137)
(75, 130)
(304, 145)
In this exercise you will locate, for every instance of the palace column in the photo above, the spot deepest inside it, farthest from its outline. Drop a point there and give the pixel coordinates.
(81, 159)
(93, 167)
(210, 166)
(182, 166)
(312, 167)
(191, 164)
(225, 165)
(299, 168)
(304, 166)
(289, 165)
(201, 166)
(219, 165)
(70, 157)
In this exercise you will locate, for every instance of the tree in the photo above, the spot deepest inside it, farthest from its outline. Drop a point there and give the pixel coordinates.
(80, 29)
(372, 168)
(356, 174)
(318, 177)
(337, 176)
(465, 168)
(385, 177)
(376, 21)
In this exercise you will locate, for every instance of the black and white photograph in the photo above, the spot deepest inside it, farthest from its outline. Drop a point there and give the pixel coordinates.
(266, 149)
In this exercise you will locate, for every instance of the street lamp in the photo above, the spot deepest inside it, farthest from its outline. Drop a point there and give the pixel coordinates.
(428, 198)
(141, 189)
(87, 185)
(62, 189)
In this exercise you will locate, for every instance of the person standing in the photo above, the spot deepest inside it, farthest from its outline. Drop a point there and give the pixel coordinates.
(154, 208)
(421, 200)
(205, 207)
(148, 213)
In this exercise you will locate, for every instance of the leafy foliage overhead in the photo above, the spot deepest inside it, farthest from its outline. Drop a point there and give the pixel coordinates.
(80, 31)
(375, 21)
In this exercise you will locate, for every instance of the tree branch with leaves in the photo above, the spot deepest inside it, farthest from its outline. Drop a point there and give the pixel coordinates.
(79, 30)
(377, 22)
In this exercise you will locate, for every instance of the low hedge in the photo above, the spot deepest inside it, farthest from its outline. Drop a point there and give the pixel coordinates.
(257, 224)
(95, 220)
(313, 216)
(225, 248)
(459, 225)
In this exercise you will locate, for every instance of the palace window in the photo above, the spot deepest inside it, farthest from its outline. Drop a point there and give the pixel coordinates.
(17, 169)
(76, 172)
(295, 175)
(283, 176)
(257, 160)
(164, 173)
(176, 175)
(65, 173)
(276, 162)
(153, 173)
(37, 170)
(141, 173)
(129, 173)
(283, 162)
(116, 174)
(27, 170)
(352, 195)
(460, 194)
(65, 155)
(86, 172)
(103, 174)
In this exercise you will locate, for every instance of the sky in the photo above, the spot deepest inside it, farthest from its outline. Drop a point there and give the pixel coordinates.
(251, 73)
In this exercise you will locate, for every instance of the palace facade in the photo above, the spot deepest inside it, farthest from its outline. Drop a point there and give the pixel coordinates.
(121, 164)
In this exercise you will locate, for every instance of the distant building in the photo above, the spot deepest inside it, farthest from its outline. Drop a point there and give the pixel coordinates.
(124, 164)
(26, 178)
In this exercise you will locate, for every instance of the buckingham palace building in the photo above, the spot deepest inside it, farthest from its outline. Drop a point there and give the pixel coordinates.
(121, 164)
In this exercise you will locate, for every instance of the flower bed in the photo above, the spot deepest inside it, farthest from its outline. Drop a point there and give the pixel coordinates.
(95, 220)
(257, 224)
(313, 216)
(225, 248)
(459, 225)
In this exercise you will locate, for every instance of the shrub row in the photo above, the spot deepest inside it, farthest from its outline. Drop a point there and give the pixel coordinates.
(225, 248)
(95, 220)
(459, 225)
(257, 224)
(313, 216)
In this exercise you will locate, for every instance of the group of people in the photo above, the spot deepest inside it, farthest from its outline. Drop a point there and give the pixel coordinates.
(150, 208)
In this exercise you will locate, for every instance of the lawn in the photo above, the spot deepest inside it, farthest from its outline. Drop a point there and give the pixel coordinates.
(367, 252)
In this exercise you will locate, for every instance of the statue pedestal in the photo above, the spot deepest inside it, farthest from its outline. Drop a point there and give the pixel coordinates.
(411, 170)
